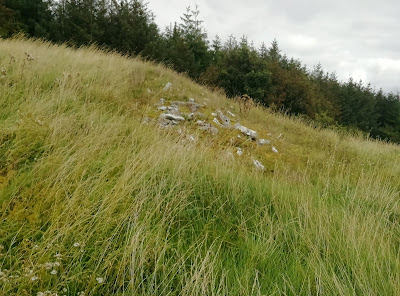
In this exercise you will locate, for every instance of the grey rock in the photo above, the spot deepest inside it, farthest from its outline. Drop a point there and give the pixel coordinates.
(225, 121)
(178, 103)
(248, 132)
(161, 102)
(162, 108)
(167, 86)
(173, 117)
(231, 114)
(173, 110)
(191, 100)
(275, 150)
(194, 107)
(263, 142)
(259, 165)
(207, 127)
(215, 120)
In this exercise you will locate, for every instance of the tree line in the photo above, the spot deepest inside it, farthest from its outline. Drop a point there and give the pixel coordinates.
(266, 74)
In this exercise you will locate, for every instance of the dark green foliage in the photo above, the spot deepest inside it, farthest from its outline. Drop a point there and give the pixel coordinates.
(33, 17)
(266, 74)
(8, 23)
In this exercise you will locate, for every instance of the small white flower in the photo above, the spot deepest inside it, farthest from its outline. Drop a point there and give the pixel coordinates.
(77, 244)
(40, 294)
(34, 278)
(100, 280)
(48, 265)
(53, 271)
(58, 255)
(64, 290)
(56, 263)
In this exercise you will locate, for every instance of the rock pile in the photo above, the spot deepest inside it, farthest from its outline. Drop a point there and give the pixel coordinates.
(172, 115)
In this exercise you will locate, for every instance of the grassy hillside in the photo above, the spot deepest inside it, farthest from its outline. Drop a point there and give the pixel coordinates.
(94, 202)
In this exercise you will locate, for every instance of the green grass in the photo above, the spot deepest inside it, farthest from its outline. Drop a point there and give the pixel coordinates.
(85, 185)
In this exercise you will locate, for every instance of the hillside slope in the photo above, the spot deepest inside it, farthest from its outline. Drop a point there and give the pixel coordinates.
(97, 199)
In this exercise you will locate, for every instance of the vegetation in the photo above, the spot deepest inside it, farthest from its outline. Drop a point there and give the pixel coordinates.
(94, 202)
(266, 74)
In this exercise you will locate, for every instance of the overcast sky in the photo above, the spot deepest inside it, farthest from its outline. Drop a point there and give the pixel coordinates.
(357, 38)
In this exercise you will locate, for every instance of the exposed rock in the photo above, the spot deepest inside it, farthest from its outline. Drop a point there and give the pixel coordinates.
(275, 150)
(215, 120)
(193, 106)
(263, 142)
(167, 119)
(207, 127)
(178, 103)
(225, 121)
(191, 100)
(231, 114)
(162, 108)
(259, 165)
(239, 151)
(174, 110)
(167, 86)
(214, 114)
(161, 102)
(174, 117)
(164, 122)
(248, 132)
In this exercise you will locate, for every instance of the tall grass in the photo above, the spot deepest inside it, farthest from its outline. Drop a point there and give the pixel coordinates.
(94, 202)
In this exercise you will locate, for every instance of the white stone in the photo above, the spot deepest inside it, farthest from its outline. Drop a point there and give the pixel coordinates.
(275, 150)
(246, 131)
(100, 280)
(215, 120)
(231, 114)
(225, 121)
(168, 86)
(259, 165)
(263, 142)
(172, 117)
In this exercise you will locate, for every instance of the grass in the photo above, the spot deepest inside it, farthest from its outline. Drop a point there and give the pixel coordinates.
(94, 202)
